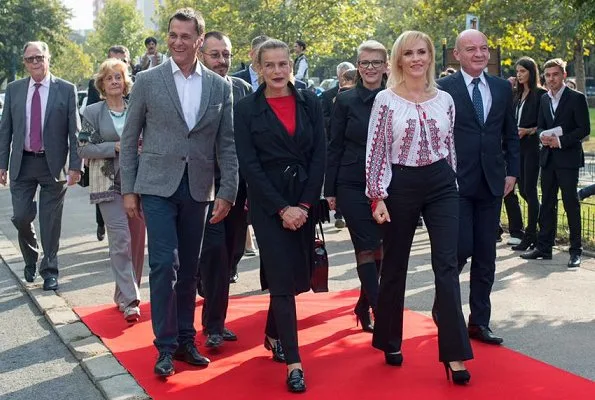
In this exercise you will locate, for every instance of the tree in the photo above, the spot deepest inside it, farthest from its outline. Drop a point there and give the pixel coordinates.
(27, 20)
(331, 29)
(72, 64)
(118, 23)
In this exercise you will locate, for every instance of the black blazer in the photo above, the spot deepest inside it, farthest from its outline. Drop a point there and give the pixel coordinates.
(572, 115)
(529, 117)
(245, 75)
(346, 156)
(280, 170)
(480, 146)
(328, 100)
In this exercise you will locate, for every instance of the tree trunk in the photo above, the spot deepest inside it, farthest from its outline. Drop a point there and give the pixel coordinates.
(579, 65)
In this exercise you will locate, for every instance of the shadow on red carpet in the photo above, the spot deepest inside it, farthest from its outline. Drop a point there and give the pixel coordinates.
(338, 359)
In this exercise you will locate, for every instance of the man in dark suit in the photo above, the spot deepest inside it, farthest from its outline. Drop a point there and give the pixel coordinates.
(250, 75)
(562, 123)
(224, 242)
(328, 96)
(184, 112)
(484, 123)
(121, 53)
(41, 122)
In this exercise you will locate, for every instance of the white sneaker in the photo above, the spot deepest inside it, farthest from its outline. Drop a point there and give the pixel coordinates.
(131, 314)
(512, 241)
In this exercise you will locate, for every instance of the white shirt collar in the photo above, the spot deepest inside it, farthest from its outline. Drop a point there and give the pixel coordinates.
(45, 82)
(558, 95)
(468, 78)
(197, 69)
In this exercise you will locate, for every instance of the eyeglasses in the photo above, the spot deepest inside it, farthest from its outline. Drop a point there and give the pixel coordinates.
(374, 63)
(217, 55)
(30, 60)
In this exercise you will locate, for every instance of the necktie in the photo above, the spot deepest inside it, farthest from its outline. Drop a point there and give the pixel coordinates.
(35, 132)
(477, 101)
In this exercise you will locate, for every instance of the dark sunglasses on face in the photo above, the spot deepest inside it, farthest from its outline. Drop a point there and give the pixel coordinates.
(30, 60)
(374, 63)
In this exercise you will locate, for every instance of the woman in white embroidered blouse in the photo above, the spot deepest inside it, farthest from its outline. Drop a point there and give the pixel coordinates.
(410, 169)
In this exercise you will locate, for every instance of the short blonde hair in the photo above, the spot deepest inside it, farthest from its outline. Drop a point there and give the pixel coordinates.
(406, 38)
(112, 65)
(372, 45)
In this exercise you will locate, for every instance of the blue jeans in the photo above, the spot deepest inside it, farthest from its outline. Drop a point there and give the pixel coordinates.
(175, 227)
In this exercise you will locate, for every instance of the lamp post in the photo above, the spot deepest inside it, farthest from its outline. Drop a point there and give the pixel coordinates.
(444, 54)
(499, 56)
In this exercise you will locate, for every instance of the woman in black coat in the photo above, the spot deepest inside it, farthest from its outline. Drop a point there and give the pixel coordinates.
(526, 106)
(280, 142)
(345, 181)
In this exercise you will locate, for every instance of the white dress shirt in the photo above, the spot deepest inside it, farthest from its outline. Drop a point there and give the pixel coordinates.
(484, 89)
(253, 77)
(44, 92)
(189, 91)
(555, 99)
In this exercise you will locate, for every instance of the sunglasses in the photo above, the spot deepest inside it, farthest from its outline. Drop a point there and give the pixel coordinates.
(32, 59)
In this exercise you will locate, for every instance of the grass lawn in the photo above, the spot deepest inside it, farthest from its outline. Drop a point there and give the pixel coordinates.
(589, 145)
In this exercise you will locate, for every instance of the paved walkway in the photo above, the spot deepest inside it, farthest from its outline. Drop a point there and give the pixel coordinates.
(541, 308)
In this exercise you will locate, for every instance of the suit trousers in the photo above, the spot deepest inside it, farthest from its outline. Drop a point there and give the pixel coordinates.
(282, 325)
(479, 215)
(214, 272)
(566, 180)
(126, 239)
(527, 184)
(432, 191)
(515, 218)
(35, 172)
(236, 225)
(175, 227)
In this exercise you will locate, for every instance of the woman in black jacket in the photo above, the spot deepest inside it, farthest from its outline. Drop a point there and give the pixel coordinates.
(280, 142)
(526, 105)
(345, 181)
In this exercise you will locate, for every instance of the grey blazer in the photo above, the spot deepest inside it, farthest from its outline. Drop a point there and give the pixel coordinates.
(61, 125)
(168, 146)
(98, 116)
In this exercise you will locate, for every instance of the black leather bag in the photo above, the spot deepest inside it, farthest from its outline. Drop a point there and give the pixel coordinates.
(319, 278)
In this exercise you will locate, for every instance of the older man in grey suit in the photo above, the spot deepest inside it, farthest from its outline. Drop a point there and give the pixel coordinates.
(41, 122)
(185, 114)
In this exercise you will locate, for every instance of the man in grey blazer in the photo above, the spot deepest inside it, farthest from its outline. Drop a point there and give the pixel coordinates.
(184, 112)
(38, 134)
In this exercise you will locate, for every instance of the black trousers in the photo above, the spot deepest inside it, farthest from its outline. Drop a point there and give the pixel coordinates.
(98, 216)
(515, 218)
(236, 225)
(282, 325)
(527, 184)
(479, 215)
(214, 269)
(430, 190)
(566, 180)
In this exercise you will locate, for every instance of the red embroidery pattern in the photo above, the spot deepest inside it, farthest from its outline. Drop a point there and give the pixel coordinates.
(377, 159)
(434, 135)
(424, 147)
(452, 155)
(407, 142)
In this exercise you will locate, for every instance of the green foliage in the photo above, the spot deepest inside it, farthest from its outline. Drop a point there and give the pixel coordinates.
(72, 64)
(27, 20)
(118, 23)
(331, 29)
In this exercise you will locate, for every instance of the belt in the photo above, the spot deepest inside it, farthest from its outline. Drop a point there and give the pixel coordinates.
(33, 154)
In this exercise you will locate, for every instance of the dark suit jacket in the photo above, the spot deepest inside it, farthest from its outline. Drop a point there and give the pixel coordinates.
(572, 115)
(480, 146)
(346, 156)
(60, 129)
(529, 117)
(92, 93)
(328, 99)
(245, 75)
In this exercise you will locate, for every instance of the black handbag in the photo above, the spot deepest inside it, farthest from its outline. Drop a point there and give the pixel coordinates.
(84, 181)
(319, 278)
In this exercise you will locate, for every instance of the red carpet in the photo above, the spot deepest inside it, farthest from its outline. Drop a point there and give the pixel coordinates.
(338, 359)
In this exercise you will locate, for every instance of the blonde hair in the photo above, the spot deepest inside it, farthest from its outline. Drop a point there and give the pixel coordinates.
(407, 38)
(272, 44)
(115, 65)
(372, 45)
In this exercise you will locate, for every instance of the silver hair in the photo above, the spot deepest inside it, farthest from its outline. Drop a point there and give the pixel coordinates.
(344, 66)
(42, 45)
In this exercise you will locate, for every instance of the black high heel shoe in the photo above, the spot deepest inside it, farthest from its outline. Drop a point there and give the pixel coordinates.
(295, 381)
(394, 359)
(458, 377)
(277, 350)
(364, 318)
